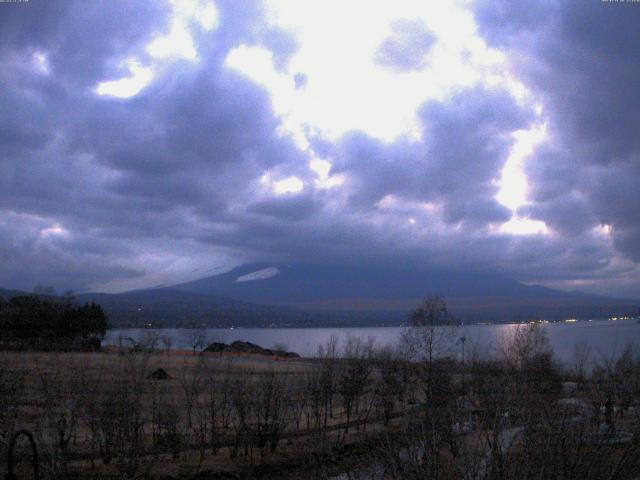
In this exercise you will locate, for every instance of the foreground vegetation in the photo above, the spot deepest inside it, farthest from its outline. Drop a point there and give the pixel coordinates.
(34, 322)
(353, 412)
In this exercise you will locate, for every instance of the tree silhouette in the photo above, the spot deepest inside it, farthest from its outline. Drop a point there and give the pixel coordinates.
(35, 321)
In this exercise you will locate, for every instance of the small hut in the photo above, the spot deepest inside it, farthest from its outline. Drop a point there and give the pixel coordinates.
(159, 374)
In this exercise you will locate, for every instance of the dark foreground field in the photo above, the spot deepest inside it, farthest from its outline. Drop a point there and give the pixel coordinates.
(354, 413)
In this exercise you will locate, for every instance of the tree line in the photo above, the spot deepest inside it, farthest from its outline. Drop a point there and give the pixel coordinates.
(39, 322)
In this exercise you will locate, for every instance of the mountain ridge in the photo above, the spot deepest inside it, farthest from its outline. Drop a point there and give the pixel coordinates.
(282, 295)
(301, 282)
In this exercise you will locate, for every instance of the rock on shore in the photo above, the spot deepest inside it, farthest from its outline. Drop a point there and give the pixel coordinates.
(248, 347)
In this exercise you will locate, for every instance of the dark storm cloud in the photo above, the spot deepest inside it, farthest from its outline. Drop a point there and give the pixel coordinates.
(97, 189)
(454, 167)
(582, 59)
(28, 253)
(287, 208)
(83, 43)
(87, 170)
(18, 130)
(407, 46)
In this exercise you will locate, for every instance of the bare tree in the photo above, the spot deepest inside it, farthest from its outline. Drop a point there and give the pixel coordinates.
(150, 340)
(389, 385)
(429, 340)
(430, 336)
(270, 410)
(116, 414)
(298, 400)
(328, 355)
(167, 341)
(165, 421)
(354, 374)
(191, 379)
(11, 389)
(241, 402)
(581, 358)
(197, 338)
(523, 343)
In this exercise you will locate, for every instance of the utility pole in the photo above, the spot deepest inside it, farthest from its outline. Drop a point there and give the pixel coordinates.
(462, 341)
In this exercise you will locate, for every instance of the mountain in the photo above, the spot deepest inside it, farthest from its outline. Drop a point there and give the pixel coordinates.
(391, 293)
(272, 295)
(165, 307)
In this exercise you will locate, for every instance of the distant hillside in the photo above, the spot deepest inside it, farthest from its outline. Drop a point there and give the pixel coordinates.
(472, 296)
(164, 307)
(267, 295)
(5, 293)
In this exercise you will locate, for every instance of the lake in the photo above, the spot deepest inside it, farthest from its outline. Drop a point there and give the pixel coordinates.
(607, 339)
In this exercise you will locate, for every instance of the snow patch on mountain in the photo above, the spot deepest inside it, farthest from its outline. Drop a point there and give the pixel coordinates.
(258, 275)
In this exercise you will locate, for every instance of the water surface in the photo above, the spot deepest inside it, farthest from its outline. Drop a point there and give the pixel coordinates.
(607, 339)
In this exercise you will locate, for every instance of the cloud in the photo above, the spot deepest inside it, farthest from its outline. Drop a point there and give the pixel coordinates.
(82, 43)
(300, 80)
(169, 163)
(407, 46)
(196, 167)
(465, 143)
(578, 59)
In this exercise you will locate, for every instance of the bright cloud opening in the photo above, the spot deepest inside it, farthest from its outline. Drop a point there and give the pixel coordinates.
(604, 230)
(288, 185)
(513, 183)
(40, 63)
(283, 186)
(128, 86)
(345, 87)
(178, 43)
(524, 226)
(54, 231)
(323, 169)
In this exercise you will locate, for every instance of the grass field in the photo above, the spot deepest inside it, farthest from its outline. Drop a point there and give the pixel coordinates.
(179, 414)
(214, 412)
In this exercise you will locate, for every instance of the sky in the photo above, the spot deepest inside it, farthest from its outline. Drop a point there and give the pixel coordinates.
(152, 142)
